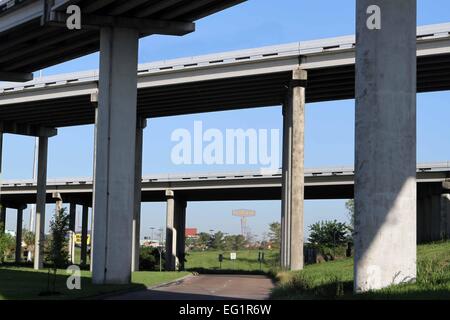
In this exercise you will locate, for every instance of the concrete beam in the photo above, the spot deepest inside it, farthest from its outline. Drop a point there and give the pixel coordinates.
(16, 76)
(293, 173)
(40, 204)
(114, 185)
(385, 165)
(27, 129)
(147, 26)
(141, 124)
(19, 227)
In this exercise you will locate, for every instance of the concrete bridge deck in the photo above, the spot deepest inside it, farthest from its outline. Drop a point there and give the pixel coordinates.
(320, 183)
(257, 77)
(27, 44)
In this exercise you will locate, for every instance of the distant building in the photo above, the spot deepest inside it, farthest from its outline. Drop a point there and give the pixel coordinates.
(191, 233)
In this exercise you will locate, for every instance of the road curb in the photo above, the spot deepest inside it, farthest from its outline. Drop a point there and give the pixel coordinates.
(137, 289)
(171, 282)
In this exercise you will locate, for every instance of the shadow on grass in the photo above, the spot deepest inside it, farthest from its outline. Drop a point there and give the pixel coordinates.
(23, 283)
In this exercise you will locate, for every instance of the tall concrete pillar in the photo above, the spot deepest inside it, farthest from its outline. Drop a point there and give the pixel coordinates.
(445, 216)
(420, 219)
(293, 174)
(180, 218)
(84, 235)
(2, 218)
(141, 124)
(19, 227)
(171, 232)
(285, 196)
(436, 217)
(385, 164)
(72, 226)
(40, 204)
(428, 219)
(114, 185)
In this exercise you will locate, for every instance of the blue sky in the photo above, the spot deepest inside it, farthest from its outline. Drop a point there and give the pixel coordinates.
(329, 126)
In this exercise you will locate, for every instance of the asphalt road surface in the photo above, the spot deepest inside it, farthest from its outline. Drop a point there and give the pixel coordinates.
(207, 287)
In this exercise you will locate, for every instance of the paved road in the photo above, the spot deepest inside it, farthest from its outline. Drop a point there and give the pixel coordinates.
(207, 287)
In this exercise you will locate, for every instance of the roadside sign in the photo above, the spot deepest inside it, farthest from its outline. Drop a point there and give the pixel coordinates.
(233, 256)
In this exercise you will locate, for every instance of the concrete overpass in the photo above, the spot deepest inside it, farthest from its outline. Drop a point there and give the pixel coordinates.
(433, 185)
(224, 81)
(320, 184)
(383, 70)
(34, 35)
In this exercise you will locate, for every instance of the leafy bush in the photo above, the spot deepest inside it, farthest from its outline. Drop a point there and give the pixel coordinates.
(331, 238)
(7, 245)
(149, 259)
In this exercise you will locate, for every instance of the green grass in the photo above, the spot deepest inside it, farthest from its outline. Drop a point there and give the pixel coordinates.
(26, 283)
(334, 280)
(247, 261)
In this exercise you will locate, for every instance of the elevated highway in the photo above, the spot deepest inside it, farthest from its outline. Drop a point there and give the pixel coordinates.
(257, 77)
(33, 35)
(320, 183)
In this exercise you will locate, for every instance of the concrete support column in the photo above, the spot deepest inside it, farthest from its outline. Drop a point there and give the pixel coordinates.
(40, 204)
(141, 124)
(114, 185)
(420, 219)
(171, 232)
(84, 235)
(436, 217)
(445, 216)
(19, 227)
(2, 218)
(293, 174)
(385, 164)
(180, 218)
(72, 225)
(285, 189)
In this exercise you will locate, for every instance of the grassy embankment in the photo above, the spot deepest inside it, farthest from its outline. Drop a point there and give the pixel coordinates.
(334, 280)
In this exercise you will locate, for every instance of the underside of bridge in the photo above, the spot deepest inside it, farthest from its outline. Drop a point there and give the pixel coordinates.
(383, 72)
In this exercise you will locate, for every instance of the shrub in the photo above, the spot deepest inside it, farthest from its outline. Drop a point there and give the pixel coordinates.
(331, 238)
(149, 259)
(7, 245)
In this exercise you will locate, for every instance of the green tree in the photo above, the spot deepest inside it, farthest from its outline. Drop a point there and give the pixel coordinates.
(350, 206)
(57, 248)
(330, 234)
(7, 244)
(149, 259)
(28, 239)
(203, 240)
(234, 242)
(216, 242)
(275, 234)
